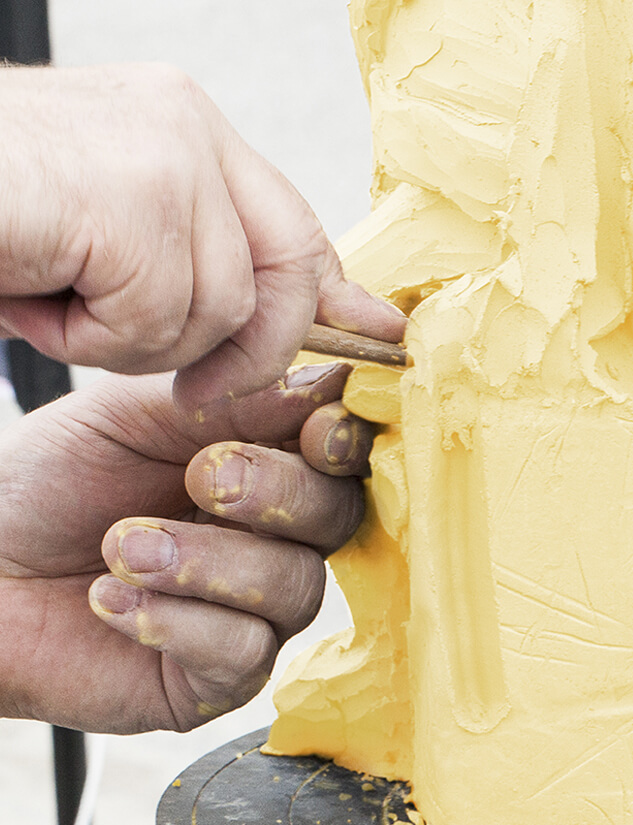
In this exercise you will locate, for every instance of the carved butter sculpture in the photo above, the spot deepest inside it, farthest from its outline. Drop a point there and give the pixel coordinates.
(491, 586)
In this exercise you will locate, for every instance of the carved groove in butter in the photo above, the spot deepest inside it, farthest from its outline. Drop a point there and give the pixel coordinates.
(467, 606)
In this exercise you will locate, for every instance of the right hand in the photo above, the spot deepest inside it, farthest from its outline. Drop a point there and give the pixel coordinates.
(140, 233)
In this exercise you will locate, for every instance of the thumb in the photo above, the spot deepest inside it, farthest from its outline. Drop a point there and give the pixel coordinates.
(298, 278)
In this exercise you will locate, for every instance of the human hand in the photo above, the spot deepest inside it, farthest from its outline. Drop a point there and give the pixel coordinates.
(171, 644)
(139, 232)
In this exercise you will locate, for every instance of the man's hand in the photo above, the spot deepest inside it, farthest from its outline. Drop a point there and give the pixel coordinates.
(188, 623)
(139, 232)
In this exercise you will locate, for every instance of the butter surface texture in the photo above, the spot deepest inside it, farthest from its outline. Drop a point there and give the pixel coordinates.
(491, 585)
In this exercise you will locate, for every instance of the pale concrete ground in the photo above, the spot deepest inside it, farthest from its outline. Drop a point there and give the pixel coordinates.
(284, 73)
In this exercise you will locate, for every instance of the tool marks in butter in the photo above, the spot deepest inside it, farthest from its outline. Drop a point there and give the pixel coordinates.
(467, 606)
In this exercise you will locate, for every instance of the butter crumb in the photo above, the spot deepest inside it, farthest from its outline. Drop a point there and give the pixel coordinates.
(219, 586)
(275, 514)
(252, 597)
(146, 634)
(187, 574)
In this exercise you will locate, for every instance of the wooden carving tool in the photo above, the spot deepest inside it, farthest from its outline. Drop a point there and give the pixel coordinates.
(330, 341)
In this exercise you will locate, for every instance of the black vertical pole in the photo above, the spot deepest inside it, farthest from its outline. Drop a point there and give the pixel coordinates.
(24, 31)
(24, 38)
(36, 379)
(70, 772)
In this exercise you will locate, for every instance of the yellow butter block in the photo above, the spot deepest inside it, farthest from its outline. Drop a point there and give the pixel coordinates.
(373, 391)
(491, 585)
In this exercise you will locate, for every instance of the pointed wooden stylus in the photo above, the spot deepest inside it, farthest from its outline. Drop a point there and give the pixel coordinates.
(330, 341)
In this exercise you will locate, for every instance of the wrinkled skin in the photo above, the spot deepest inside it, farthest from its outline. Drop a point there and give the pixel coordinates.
(167, 644)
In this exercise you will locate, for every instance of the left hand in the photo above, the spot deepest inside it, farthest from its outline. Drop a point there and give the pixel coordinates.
(170, 644)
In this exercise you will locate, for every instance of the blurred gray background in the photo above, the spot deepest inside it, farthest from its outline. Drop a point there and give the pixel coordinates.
(285, 74)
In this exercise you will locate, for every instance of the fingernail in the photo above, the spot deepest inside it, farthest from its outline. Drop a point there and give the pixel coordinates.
(115, 596)
(232, 478)
(145, 549)
(311, 374)
(340, 442)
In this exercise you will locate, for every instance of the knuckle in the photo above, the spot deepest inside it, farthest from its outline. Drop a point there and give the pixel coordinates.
(158, 174)
(317, 253)
(308, 250)
(256, 649)
(308, 587)
(157, 332)
(350, 513)
(355, 510)
(244, 301)
(319, 246)
(231, 297)
(163, 183)
(166, 156)
(171, 80)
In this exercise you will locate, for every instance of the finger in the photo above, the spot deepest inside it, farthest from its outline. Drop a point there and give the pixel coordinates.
(138, 412)
(275, 493)
(279, 581)
(193, 289)
(297, 274)
(278, 413)
(38, 320)
(336, 442)
(282, 229)
(224, 295)
(227, 655)
(273, 415)
(188, 287)
(286, 244)
(346, 305)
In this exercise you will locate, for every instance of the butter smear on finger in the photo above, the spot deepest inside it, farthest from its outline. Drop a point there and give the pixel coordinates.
(491, 585)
